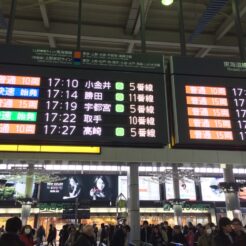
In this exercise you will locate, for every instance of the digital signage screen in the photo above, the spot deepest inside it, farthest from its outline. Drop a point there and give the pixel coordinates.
(76, 105)
(149, 188)
(187, 189)
(242, 191)
(208, 99)
(12, 189)
(81, 187)
(210, 190)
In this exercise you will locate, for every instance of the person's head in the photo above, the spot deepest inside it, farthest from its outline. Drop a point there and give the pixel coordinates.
(27, 230)
(165, 224)
(88, 230)
(156, 229)
(177, 229)
(236, 225)
(102, 225)
(73, 181)
(13, 225)
(190, 225)
(145, 224)
(225, 225)
(208, 229)
(100, 182)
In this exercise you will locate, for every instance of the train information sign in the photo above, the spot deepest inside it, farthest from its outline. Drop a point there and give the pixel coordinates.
(72, 102)
(209, 103)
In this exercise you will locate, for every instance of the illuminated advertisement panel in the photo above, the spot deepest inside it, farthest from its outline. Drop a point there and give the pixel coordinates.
(187, 190)
(210, 190)
(149, 188)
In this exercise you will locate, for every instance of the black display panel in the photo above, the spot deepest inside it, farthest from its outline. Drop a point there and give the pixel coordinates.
(82, 187)
(69, 104)
(208, 103)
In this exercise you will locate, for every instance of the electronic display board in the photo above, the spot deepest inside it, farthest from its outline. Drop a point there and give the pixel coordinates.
(210, 189)
(84, 187)
(242, 190)
(208, 103)
(149, 189)
(53, 101)
(11, 188)
(187, 189)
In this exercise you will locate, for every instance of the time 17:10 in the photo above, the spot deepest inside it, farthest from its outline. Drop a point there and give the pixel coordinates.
(70, 83)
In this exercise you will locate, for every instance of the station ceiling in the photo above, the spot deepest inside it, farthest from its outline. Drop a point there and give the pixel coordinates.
(114, 25)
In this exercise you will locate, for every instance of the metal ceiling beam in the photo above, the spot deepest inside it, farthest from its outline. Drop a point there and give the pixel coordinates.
(130, 47)
(203, 52)
(224, 29)
(46, 22)
(229, 22)
(134, 19)
(133, 14)
(137, 26)
(122, 40)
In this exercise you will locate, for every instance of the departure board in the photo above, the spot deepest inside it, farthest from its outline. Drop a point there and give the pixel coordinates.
(209, 103)
(75, 105)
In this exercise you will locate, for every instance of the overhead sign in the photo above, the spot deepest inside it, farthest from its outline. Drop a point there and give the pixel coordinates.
(209, 103)
(55, 97)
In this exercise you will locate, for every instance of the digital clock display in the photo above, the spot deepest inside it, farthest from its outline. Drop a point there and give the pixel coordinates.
(47, 105)
(209, 103)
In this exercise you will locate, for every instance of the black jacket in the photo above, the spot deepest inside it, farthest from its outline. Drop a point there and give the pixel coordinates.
(10, 239)
(221, 239)
(145, 235)
(119, 238)
(84, 240)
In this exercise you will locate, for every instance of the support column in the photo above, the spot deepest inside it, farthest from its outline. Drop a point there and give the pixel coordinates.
(133, 204)
(231, 197)
(25, 212)
(27, 205)
(177, 206)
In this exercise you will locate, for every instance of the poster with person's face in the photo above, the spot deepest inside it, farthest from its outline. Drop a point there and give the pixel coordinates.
(11, 188)
(210, 191)
(242, 191)
(87, 187)
(102, 187)
(187, 189)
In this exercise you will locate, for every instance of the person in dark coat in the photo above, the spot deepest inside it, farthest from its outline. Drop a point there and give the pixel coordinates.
(51, 236)
(178, 237)
(40, 235)
(64, 234)
(239, 234)
(11, 237)
(104, 234)
(168, 230)
(145, 233)
(87, 237)
(156, 237)
(224, 236)
(120, 237)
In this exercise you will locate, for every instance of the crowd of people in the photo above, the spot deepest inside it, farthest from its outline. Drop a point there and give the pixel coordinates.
(228, 233)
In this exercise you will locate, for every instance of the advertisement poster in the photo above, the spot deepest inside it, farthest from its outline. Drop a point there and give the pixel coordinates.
(83, 187)
(149, 188)
(12, 189)
(210, 191)
(187, 189)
